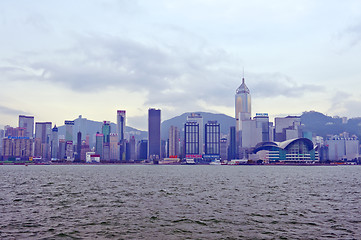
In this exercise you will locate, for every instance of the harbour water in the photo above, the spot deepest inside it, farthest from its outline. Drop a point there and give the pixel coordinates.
(180, 202)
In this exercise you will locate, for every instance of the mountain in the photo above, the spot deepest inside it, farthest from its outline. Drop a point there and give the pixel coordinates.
(179, 121)
(323, 125)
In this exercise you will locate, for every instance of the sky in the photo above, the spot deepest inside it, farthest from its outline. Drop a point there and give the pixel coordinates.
(62, 59)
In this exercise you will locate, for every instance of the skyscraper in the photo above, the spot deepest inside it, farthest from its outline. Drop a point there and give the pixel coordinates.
(106, 131)
(78, 147)
(99, 144)
(27, 122)
(212, 138)
(173, 141)
(242, 109)
(121, 134)
(54, 143)
(154, 121)
(196, 117)
(191, 140)
(69, 130)
(69, 139)
(121, 124)
(232, 147)
(42, 136)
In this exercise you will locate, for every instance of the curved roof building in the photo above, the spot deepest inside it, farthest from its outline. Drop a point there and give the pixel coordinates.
(298, 150)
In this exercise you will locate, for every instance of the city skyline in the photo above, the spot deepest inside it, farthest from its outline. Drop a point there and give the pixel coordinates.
(60, 60)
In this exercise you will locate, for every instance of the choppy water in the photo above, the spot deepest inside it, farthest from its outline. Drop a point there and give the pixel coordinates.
(180, 202)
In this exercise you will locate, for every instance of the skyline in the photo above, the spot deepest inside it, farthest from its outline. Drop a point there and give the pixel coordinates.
(61, 60)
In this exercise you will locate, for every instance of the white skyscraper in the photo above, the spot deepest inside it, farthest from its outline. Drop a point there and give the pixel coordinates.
(242, 112)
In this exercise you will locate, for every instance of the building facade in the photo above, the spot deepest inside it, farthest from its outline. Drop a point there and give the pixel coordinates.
(27, 122)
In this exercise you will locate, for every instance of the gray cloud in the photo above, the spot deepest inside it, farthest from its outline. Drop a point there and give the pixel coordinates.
(277, 84)
(344, 104)
(172, 75)
(11, 111)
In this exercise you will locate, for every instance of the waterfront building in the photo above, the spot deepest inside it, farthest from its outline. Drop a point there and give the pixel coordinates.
(223, 148)
(298, 150)
(232, 147)
(84, 150)
(131, 152)
(114, 147)
(142, 149)
(212, 140)
(17, 148)
(99, 144)
(154, 123)
(69, 151)
(287, 128)
(191, 140)
(42, 140)
(78, 147)
(341, 148)
(196, 117)
(54, 143)
(62, 148)
(121, 123)
(2, 135)
(174, 140)
(27, 122)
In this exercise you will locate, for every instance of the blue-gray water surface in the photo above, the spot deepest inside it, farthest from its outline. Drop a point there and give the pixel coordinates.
(180, 202)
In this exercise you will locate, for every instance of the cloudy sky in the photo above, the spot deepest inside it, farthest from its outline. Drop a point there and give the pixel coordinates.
(61, 59)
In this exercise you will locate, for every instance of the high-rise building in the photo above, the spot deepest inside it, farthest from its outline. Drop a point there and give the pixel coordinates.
(232, 147)
(191, 140)
(42, 139)
(114, 147)
(121, 124)
(142, 149)
(154, 121)
(262, 121)
(106, 131)
(62, 148)
(99, 144)
(27, 122)
(242, 110)
(131, 156)
(54, 143)
(212, 138)
(69, 130)
(174, 140)
(78, 147)
(223, 149)
(196, 117)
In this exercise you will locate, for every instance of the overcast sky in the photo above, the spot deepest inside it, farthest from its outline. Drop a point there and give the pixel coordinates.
(61, 59)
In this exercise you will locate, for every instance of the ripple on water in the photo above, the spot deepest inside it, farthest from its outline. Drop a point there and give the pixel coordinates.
(179, 202)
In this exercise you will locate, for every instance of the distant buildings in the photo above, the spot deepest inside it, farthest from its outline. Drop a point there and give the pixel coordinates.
(287, 128)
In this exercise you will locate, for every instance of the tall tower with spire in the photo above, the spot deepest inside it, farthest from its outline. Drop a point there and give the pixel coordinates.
(242, 109)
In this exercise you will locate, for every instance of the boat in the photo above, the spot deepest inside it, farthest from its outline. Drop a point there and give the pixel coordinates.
(215, 162)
